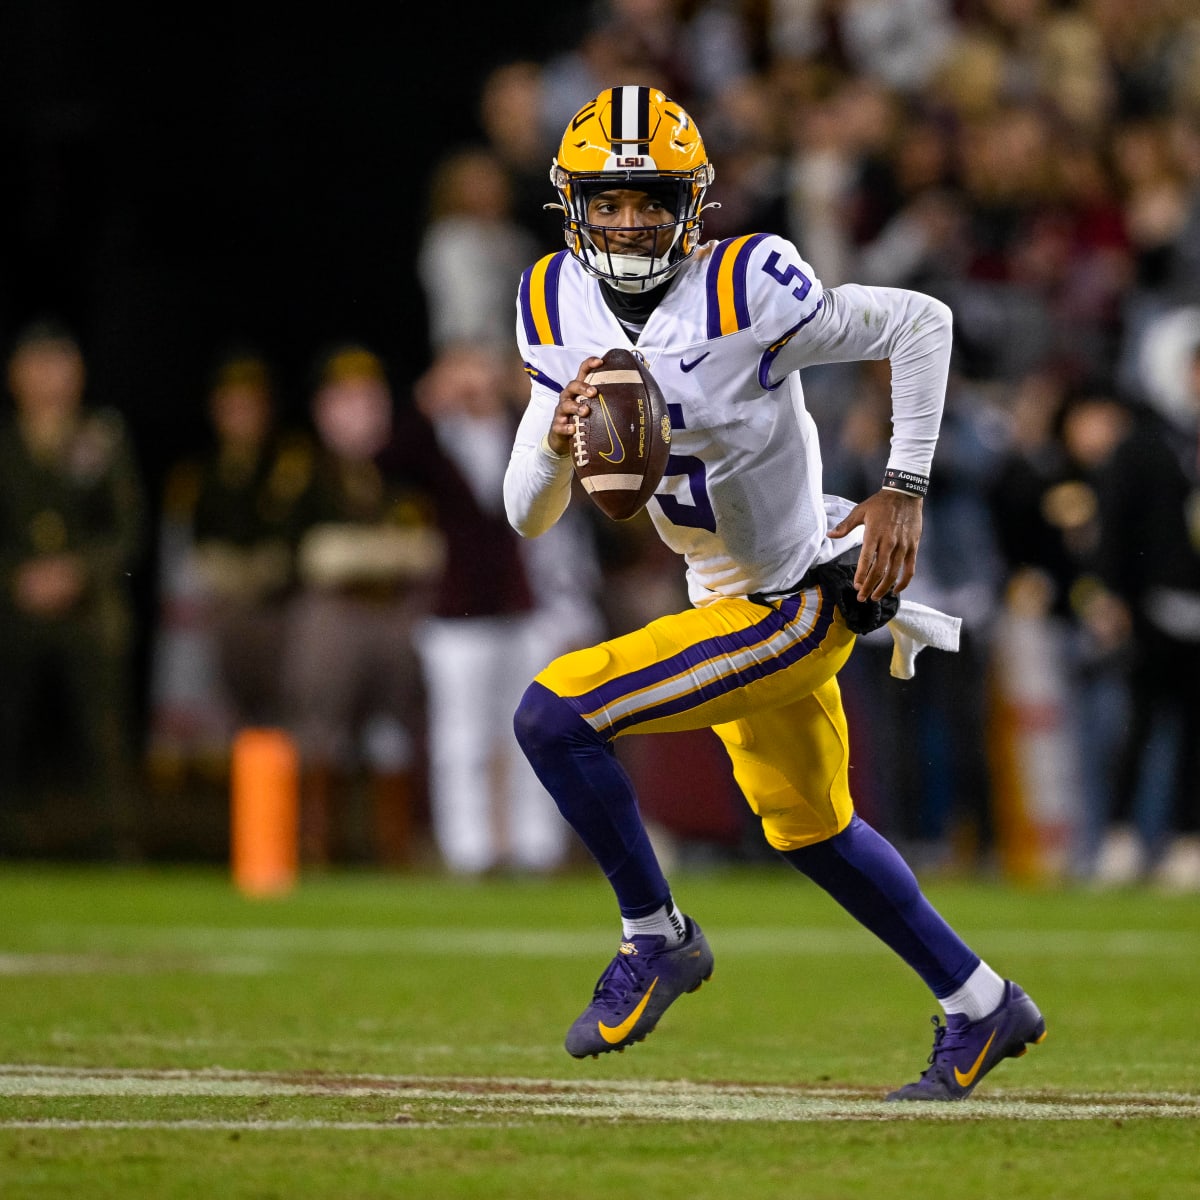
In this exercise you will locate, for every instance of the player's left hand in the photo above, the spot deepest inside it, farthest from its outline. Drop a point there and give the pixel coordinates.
(891, 524)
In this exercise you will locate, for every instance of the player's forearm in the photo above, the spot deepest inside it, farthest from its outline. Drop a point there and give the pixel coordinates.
(537, 488)
(920, 369)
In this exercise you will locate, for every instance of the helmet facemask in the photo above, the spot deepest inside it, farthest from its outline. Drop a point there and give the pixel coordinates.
(635, 139)
(588, 241)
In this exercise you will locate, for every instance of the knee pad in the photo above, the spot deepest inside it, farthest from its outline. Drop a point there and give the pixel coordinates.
(544, 720)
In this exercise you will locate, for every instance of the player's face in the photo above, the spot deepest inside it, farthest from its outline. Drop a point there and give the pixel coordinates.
(630, 222)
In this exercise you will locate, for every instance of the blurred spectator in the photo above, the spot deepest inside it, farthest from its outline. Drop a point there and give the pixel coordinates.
(923, 772)
(72, 520)
(1040, 746)
(511, 115)
(581, 70)
(1072, 72)
(504, 607)
(367, 557)
(835, 133)
(1046, 509)
(690, 49)
(1182, 284)
(1154, 195)
(901, 43)
(472, 251)
(743, 129)
(1149, 559)
(188, 720)
(226, 572)
(244, 532)
(1033, 463)
(1094, 423)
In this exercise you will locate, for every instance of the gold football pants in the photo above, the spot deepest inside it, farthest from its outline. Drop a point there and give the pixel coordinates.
(763, 677)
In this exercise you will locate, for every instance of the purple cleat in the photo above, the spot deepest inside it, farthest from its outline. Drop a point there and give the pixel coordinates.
(965, 1051)
(637, 987)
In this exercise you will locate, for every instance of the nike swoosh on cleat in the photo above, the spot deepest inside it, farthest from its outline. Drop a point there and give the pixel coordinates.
(969, 1078)
(685, 367)
(613, 1034)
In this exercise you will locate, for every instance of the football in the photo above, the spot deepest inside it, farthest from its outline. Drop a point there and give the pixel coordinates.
(620, 448)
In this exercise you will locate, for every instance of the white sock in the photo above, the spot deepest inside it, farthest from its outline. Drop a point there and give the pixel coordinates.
(980, 995)
(666, 921)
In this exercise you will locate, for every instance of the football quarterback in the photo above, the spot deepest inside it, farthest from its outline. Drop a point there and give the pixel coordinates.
(781, 577)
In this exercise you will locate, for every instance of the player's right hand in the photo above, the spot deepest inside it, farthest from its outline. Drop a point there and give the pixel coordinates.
(572, 402)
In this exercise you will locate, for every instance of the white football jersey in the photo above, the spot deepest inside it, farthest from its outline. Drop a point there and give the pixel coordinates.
(742, 497)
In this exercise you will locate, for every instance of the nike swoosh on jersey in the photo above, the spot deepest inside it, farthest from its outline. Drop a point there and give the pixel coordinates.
(969, 1078)
(612, 1034)
(685, 367)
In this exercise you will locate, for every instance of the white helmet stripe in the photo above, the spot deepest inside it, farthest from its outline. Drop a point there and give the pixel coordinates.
(631, 119)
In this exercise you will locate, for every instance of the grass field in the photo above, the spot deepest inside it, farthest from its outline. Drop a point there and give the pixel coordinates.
(401, 1036)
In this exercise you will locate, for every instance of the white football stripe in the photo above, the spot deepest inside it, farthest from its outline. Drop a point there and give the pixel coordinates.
(601, 378)
(612, 483)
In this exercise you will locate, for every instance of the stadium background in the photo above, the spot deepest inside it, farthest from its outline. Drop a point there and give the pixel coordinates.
(177, 180)
(173, 181)
(248, 171)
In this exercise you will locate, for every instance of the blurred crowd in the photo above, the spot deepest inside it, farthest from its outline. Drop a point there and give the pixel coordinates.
(351, 577)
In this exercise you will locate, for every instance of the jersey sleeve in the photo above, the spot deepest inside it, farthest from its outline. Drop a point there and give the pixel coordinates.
(855, 322)
(537, 482)
(760, 281)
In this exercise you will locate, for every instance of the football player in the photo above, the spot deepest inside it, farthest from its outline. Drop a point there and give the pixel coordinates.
(781, 577)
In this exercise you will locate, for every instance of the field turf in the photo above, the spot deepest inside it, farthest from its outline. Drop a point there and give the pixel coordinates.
(372, 1035)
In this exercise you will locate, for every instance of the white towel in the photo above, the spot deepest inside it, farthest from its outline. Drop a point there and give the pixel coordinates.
(913, 628)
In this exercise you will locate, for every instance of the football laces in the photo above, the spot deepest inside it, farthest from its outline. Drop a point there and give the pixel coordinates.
(579, 445)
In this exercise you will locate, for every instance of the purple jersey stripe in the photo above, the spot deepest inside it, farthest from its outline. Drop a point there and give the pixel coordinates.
(740, 267)
(538, 297)
(539, 376)
(710, 288)
(553, 273)
(772, 352)
(531, 333)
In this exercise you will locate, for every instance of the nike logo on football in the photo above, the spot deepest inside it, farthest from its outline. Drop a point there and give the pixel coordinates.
(969, 1078)
(616, 451)
(613, 1034)
(685, 367)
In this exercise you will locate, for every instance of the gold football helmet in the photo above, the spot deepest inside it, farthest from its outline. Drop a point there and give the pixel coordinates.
(637, 138)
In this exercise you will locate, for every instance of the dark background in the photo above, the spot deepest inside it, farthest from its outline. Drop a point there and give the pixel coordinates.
(178, 180)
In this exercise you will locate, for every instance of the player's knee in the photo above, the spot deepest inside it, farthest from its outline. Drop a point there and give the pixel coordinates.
(544, 721)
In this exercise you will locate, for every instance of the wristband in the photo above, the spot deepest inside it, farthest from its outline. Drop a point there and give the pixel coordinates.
(908, 482)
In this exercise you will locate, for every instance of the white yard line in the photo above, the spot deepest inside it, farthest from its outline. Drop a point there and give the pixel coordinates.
(511, 1101)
